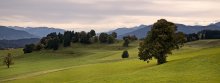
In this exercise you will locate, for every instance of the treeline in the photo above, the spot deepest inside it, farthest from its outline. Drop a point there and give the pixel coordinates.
(204, 34)
(54, 41)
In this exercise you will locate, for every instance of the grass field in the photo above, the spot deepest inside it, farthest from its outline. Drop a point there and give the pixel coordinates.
(196, 62)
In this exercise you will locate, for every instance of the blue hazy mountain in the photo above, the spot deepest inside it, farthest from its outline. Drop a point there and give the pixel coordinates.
(142, 30)
(38, 31)
(12, 34)
(17, 43)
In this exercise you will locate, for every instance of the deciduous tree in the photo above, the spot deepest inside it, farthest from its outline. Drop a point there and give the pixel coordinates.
(8, 60)
(160, 41)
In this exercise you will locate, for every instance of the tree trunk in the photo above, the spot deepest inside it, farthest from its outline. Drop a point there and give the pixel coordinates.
(161, 59)
(8, 65)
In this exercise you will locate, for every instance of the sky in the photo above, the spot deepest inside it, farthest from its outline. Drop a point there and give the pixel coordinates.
(104, 15)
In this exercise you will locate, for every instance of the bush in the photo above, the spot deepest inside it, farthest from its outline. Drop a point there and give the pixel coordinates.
(125, 54)
(29, 48)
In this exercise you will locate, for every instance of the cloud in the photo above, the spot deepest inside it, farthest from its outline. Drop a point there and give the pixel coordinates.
(103, 14)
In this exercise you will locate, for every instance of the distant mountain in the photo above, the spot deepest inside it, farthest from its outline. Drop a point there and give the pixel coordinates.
(38, 31)
(141, 31)
(12, 34)
(216, 24)
(17, 43)
(121, 31)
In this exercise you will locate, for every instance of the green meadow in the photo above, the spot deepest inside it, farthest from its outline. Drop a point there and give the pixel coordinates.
(196, 62)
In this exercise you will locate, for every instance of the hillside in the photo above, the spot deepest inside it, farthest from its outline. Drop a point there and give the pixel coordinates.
(12, 34)
(196, 62)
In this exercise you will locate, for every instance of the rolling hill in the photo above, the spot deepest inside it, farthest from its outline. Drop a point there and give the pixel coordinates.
(196, 62)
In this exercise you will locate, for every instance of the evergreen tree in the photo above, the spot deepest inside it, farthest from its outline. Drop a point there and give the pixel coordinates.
(67, 38)
(56, 43)
(60, 36)
(75, 38)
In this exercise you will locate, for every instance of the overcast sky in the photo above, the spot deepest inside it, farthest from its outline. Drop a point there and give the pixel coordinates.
(104, 15)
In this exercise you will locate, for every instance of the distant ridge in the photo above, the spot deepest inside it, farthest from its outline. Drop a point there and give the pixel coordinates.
(141, 31)
(4, 44)
(38, 31)
(12, 34)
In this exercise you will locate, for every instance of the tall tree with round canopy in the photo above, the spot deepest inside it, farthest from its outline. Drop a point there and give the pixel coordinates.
(160, 41)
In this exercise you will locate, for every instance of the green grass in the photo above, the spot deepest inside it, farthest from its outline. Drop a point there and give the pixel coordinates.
(99, 63)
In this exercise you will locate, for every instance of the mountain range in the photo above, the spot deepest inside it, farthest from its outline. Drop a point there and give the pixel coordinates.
(15, 32)
(17, 43)
(17, 37)
(142, 30)
(12, 34)
(38, 31)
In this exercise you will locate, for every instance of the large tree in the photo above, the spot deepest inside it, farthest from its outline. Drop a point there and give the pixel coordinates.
(160, 41)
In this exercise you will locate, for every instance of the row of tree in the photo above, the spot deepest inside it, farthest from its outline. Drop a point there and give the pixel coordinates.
(108, 38)
(204, 34)
(54, 40)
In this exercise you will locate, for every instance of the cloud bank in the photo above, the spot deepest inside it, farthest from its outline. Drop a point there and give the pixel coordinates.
(104, 15)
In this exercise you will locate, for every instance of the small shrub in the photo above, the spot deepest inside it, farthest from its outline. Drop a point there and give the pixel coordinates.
(29, 48)
(125, 54)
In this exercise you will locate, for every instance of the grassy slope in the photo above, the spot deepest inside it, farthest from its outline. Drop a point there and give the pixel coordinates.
(196, 62)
